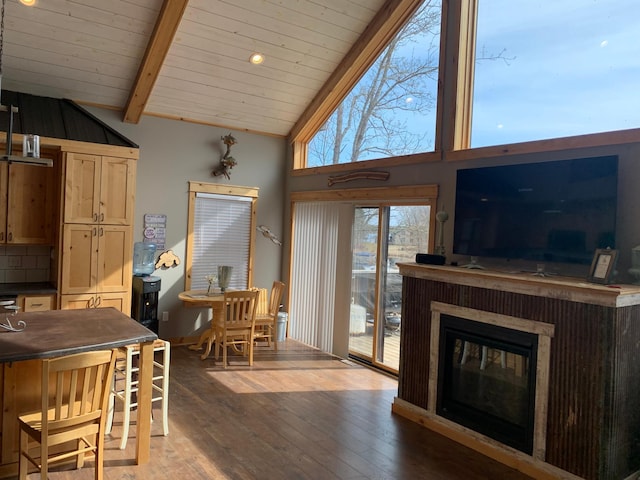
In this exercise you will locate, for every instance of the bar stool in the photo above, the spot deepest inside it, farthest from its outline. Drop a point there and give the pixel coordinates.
(127, 370)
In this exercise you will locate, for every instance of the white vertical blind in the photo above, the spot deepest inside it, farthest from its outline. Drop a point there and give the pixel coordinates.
(313, 274)
(221, 236)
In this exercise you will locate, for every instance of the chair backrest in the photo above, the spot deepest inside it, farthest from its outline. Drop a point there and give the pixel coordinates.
(75, 389)
(263, 302)
(241, 306)
(275, 300)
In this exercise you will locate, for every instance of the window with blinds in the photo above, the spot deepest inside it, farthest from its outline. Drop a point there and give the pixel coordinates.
(221, 233)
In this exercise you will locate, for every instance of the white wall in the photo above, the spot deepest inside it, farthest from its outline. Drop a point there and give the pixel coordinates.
(172, 153)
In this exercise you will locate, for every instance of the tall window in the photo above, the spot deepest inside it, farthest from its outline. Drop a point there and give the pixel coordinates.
(512, 72)
(392, 109)
(554, 69)
(221, 232)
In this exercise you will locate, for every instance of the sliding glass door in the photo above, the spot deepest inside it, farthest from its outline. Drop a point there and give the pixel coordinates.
(382, 236)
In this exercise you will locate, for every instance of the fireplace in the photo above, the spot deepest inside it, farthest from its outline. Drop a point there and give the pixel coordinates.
(487, 379)
(489, 374)
(587, 421)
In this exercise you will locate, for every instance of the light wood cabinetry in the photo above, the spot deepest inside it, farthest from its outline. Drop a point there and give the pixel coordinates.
(28, 209)
(118, 300)
(96, 267)
(99, 189)
(97, 238)
(36, 303)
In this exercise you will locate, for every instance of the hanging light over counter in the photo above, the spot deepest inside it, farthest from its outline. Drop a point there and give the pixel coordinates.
(31, 143)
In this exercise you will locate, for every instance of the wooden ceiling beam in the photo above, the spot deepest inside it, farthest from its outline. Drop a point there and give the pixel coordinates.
(157, 48)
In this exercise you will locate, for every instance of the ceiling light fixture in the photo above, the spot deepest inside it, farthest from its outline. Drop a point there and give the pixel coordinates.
(31, 143)
(28, 3)
(256, 58)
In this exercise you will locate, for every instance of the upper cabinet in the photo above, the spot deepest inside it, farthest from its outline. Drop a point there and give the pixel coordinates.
(28, 194)
(99, 189)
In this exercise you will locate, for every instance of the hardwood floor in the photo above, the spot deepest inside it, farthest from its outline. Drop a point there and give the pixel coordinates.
(296, 414)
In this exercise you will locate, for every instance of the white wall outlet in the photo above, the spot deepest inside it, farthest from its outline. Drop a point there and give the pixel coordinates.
(165, 316)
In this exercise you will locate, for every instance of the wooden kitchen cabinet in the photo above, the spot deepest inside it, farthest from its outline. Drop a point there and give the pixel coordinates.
(97, 231)
(36, 303)
(118, 300)
(99, 189)
(28, 194)
(96, 259)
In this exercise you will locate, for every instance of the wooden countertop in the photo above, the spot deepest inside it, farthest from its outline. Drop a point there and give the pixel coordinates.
(63, 332)
(566, 288)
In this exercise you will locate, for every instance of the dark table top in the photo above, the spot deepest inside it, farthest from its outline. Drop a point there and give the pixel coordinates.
(38, 288)
(64, 332)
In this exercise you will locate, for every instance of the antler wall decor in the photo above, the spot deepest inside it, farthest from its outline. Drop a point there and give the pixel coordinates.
(227, 162)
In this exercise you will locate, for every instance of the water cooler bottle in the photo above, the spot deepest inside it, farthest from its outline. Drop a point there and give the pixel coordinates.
(144, 302)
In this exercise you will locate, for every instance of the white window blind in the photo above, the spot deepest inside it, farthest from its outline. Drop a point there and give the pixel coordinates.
(221, 236)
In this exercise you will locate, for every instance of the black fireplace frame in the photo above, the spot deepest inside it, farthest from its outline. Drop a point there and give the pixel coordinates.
(496, 337)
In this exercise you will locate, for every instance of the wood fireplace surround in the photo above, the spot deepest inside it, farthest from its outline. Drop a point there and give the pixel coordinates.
(590, 392)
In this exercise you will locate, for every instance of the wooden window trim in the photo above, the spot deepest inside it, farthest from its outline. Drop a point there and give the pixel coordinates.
(201, 187)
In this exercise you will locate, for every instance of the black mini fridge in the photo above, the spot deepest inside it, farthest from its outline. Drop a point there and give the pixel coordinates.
(144, 302)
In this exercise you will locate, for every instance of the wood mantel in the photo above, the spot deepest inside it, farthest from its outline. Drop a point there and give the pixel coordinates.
(593, 421)
(564, 288)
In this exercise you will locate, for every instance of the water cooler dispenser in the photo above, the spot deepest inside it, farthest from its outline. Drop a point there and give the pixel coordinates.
(144, 302)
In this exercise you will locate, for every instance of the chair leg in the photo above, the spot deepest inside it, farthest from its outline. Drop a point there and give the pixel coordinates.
(112, 404)
(126, 414)
(224, 355)
(99, 458)
(80, 456)
(44, 460)
(274, 336)
(23, 466)
(165, 388)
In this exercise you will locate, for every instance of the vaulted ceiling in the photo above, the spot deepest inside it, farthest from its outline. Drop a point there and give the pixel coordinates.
(183, 59)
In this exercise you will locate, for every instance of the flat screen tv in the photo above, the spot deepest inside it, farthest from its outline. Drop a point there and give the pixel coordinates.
(557, 211)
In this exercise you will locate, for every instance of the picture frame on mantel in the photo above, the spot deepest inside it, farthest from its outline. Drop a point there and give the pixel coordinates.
(602, 265)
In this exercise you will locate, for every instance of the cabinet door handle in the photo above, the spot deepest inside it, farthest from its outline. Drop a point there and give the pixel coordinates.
(92, 302)
(10, 237)
(36, 304)
(98, 301)
(101, 232)
(95, 231)
(95, 217)
(1, 236)
(102, 217)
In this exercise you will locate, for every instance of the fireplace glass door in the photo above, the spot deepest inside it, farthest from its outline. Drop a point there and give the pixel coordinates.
(486, 380)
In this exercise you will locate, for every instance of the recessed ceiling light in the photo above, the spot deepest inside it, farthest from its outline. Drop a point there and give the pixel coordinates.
(256, 58)
(28, 3)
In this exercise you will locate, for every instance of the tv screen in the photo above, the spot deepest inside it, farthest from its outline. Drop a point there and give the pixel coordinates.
(558, 211)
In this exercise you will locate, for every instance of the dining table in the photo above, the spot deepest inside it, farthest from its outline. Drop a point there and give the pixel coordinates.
(57, 333)
(213, 300)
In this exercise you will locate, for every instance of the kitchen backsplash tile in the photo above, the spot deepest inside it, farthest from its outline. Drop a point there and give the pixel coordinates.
(25, 263)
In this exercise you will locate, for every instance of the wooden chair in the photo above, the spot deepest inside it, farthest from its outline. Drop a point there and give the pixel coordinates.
(237, 328)
(126, 371)
(75, 393)
(267, 314)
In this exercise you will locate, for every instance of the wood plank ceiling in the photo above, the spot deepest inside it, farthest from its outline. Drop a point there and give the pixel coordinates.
(183, 59)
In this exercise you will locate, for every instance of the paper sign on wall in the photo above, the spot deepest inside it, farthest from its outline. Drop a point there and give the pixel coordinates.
(155, 229)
